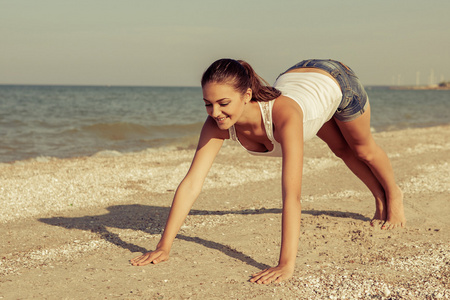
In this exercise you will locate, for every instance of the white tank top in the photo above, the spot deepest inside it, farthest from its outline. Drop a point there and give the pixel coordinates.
(318, 96)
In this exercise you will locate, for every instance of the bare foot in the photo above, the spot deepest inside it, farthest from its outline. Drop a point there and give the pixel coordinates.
(395, 211)
(377, 222)
(380, 212)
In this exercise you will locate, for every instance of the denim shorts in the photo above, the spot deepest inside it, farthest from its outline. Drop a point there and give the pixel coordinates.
(354, 98)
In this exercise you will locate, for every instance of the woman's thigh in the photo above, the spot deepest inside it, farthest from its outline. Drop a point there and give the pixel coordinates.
(332, 136)
(357, 133)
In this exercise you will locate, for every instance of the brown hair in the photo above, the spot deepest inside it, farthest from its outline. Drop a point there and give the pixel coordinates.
(241, 76)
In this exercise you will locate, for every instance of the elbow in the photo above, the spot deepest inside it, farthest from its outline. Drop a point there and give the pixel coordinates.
(298, 199)
(293, 198)
(189, 187)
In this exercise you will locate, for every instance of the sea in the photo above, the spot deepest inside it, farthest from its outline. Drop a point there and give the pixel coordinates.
(72, 121)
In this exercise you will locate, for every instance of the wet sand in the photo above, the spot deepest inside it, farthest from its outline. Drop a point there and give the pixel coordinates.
(69, 226)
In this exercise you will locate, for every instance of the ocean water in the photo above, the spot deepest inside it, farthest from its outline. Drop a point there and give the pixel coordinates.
(71, 121)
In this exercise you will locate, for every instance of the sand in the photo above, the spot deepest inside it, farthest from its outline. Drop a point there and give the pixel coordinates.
(69, 226)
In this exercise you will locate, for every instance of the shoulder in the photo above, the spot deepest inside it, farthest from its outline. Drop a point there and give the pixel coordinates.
(287, 118)
(285, 110)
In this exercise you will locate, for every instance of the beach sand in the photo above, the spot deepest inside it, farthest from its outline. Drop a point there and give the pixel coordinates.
(69, 226)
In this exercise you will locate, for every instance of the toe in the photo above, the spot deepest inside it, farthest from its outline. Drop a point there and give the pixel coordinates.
(376, 222)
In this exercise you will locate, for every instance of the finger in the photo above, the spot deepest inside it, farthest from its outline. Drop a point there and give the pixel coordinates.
(268, 278)
(137, 258)
(260, 272)
(136, 261)
(258, 275)
(149, 259)
(142, 260)
(155, 261)
(256, 278)
(264, 277)
(157, 258)
(279, 279)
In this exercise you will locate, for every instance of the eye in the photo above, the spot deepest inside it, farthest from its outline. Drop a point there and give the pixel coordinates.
(224, 104)
(208, 104)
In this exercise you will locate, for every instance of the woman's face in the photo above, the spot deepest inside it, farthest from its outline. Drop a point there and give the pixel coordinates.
(224, 104)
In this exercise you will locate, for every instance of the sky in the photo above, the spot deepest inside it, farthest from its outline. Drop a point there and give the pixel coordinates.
(171, 43)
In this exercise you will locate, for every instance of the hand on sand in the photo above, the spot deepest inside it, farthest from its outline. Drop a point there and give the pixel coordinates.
(154, 257)
(275, 274)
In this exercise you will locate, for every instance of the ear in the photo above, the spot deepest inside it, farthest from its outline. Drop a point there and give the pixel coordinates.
(248, 95)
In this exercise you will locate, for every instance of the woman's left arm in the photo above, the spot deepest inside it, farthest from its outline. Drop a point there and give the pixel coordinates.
(288, 123)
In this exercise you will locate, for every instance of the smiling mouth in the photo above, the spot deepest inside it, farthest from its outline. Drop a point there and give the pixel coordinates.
(220, 119)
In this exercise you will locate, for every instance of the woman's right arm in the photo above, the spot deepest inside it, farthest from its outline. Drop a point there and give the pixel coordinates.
(210, 142)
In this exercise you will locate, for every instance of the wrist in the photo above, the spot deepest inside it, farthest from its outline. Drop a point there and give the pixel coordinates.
(287, 265)
(288, 262)
(164, 246)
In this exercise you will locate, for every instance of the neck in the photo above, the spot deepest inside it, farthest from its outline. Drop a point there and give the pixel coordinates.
(251, 117)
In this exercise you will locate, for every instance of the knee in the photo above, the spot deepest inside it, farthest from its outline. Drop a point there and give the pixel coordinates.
(342, 151)
(365, 154)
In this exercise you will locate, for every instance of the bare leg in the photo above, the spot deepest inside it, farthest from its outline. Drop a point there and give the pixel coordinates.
(331, 134)
(359, 138)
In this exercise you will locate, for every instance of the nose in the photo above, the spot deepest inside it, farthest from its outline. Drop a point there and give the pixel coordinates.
(214, 111)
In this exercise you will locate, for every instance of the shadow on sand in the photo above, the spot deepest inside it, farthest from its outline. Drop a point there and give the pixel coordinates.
(151, 219)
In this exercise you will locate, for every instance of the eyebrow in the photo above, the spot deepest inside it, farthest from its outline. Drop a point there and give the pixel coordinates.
(220, 100)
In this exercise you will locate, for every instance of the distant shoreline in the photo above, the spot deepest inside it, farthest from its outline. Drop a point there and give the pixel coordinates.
(421, 87)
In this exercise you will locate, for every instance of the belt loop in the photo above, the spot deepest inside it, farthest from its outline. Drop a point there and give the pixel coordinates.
(306, 63)
(335, 73)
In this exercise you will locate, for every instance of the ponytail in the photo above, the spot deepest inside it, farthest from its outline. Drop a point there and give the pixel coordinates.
(241, 76)
(262, 91)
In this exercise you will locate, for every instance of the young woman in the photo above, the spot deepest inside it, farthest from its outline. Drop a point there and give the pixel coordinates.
(314, 97)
